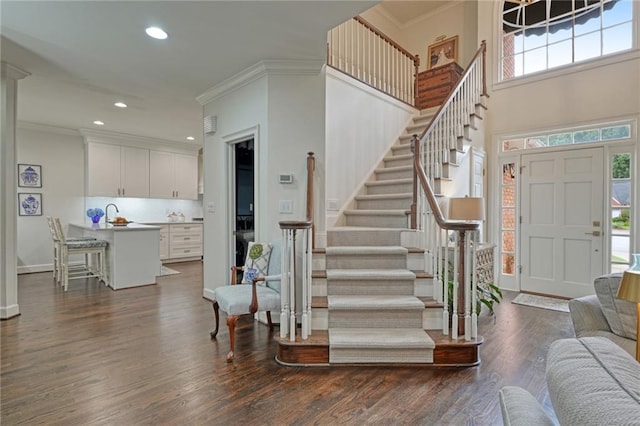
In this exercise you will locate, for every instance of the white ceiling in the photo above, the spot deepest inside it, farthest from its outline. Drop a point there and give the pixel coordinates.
(85, 55)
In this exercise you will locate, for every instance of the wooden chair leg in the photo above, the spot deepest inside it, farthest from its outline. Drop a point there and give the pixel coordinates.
(216, 308)
(269, 322)
(231, 323)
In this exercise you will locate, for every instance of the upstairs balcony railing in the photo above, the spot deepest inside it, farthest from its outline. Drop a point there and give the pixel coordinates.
(359, 49)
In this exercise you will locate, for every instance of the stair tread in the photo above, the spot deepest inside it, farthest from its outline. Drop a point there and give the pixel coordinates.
(386, 302)
(342, 250)
(366, 229)
(384, 196)
(380, 338)
(370, 274)
(394, 212)
(393, 169)
(389, 182)
(399, 157)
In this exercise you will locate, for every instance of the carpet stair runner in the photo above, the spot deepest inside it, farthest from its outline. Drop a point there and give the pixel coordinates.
(373, 315)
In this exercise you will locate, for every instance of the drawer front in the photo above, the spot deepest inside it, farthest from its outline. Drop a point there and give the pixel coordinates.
(185, 250)
(186, 229)
(186, 239)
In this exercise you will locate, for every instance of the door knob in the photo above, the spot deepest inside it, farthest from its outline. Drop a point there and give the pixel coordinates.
(594, 233)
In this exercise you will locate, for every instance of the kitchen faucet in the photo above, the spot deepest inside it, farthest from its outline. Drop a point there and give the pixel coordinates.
(106, 211)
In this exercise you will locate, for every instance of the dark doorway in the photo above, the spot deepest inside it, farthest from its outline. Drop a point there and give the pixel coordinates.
(245, 208)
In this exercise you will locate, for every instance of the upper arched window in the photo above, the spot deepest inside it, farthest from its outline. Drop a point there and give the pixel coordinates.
(538, 35)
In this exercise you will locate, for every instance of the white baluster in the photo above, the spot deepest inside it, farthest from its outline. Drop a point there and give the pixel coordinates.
(456, 267)
(445, 313)
(467, 289)
(305, 284)
(284, 284)
(474, 281)
(292, 288)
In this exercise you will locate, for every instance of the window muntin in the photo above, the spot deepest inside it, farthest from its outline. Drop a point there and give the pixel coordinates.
(578, 136)
(547, 34)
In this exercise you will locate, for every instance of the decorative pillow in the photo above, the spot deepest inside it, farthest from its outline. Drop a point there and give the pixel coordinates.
(621, 314)
(257, 261)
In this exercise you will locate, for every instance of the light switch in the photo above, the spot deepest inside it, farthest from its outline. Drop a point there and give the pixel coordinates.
(211, 207)
(286, 206)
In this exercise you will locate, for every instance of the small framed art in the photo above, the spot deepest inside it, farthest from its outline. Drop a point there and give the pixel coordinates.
(29, 176)
(443, 52)
(29, 204)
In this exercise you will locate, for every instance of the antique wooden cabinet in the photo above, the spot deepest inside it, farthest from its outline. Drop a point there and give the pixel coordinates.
(435, 84)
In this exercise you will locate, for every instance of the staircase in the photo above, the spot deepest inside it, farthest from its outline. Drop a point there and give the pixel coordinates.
(374, 315)
(372, 295)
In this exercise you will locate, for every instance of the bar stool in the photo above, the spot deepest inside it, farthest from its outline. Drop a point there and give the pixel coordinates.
(57, 273)
(96, 268)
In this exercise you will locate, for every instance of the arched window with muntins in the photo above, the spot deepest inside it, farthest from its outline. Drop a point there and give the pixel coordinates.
(539, 35)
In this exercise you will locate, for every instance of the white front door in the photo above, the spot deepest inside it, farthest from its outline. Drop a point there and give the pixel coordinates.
(562, 209)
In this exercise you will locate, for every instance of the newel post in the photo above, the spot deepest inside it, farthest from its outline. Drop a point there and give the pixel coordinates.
(416, 67)
(311, 167)
(462, 283)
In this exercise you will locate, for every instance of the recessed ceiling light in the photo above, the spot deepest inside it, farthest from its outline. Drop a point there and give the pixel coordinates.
(156, 32)
(98, 122)
(120, 104)
(191, 138)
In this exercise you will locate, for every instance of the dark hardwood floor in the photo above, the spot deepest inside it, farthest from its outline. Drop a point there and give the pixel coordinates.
(93, 356)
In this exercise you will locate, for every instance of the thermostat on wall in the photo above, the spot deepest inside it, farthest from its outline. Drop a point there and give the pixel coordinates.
(286, 178)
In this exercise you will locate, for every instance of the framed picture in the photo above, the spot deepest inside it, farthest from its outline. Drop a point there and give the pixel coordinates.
(29, 176)
(443, 52)
(29, 204)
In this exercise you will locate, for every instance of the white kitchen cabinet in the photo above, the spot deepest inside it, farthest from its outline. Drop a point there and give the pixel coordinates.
(173, 175)
(117, 171)
(164, 242)
(185, 240)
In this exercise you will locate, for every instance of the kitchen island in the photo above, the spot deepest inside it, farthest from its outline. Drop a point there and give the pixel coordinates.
(133, 254)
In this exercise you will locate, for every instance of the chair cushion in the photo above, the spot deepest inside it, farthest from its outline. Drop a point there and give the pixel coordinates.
(620, 314)
(275, 265)
(235, 299)
(84, 244)
(257, 261)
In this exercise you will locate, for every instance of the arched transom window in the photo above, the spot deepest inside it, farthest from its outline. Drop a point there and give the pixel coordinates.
(539, 35)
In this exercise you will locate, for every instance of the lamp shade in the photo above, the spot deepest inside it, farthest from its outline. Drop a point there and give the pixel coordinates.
(466, 208)
(630, 286)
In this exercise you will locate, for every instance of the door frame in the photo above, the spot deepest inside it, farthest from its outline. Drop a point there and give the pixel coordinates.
(230, 141)
(513, 283)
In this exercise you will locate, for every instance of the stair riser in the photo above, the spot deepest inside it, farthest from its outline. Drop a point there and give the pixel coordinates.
(319, 262)
(380, 356)
(395, 188)
(401, 149)
(388, 204)
(385, 174)
(318, 286)
(382, 221)
(397, 162)
(368, 261)
(370, 287)
(363, 238)
(364, 318)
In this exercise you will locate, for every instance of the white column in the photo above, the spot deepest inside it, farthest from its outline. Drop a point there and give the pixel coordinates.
(9, 76)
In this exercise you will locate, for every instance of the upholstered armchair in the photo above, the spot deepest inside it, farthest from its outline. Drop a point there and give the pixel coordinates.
(261, 294)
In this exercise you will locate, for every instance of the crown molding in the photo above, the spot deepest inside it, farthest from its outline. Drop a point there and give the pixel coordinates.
(11, 71)
(259, 70)
(102, 136)
(48, 128)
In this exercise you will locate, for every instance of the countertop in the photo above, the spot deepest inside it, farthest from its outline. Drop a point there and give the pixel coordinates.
(186, 222)
(109, 227)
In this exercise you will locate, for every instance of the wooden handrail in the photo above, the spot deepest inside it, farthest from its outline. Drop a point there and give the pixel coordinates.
(386, 38)
(481, 51)
(311, 167)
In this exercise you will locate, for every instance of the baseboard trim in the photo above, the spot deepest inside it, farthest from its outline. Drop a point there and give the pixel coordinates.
(8, 312)
(30, 269)
(209, 294)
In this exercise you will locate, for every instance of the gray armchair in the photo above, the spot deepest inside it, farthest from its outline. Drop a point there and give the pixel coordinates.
(263, 294)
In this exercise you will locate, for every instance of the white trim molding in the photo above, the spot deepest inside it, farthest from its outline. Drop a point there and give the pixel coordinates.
(259, 70)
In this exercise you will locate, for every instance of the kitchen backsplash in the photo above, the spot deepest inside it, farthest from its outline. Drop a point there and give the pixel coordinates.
(145, 209)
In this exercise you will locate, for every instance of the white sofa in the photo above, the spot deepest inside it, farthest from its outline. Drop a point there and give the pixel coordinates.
(591, 382)
(603, 314)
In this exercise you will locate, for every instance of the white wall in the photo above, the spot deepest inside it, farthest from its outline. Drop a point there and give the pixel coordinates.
(361, 126)
(61, 153)
(283, 109)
